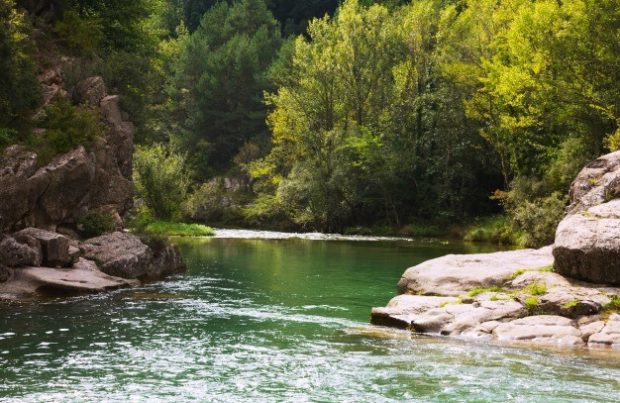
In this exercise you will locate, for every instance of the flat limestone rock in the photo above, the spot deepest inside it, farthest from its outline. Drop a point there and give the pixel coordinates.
(443, 315)
(83, 277)
(609, 336)
(454, 275)
(401, 310)
(542, 329)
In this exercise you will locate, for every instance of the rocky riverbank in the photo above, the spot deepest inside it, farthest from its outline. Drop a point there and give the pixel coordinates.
(44, 247)
(567, 294)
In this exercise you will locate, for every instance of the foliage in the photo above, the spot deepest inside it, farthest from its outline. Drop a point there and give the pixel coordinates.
(162, 180)
(176, 229)
(495, 229)
(96, 223)
(7, 136)
(532, 212)
(221, 79)
(216, 201)
(19, 89)
(66, 127)
(355, 119)
(82, 36)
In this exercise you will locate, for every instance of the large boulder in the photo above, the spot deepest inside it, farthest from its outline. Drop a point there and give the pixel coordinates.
(587, 244)
(119, 254)
(90, 91)
(54, 247)
(454, 275)
(124, 255)
(16, 254)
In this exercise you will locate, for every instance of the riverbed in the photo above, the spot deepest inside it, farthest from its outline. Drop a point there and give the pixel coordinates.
(274, 319)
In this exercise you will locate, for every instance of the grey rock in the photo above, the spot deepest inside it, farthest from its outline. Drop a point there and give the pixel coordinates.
(90, 91)
(83, 277)
(401, 310)
(119, 254)
(74, 183)
(167, 260)
(454, 275)
(609, 336)
(54, 247)
(587, 247)
(543, 329)
(5, 274)
(15, 254)
(573, 301)
(597, 182)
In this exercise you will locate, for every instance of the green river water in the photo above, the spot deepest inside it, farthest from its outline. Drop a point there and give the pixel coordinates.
(272, 321)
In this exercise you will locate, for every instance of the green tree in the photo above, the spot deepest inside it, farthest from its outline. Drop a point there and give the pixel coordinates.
(222, 78)
(19, 89)
(162, 180)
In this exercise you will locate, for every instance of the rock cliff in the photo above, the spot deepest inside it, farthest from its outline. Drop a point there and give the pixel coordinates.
(41, 207)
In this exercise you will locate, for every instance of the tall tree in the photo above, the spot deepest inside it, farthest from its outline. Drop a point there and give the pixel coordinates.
(222, 79)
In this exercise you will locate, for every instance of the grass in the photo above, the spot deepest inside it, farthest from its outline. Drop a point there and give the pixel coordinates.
(494, 229)
(531, 304)
(166, 228)
(535, 289)
(571, 304)
(477, 291)
(613, 306)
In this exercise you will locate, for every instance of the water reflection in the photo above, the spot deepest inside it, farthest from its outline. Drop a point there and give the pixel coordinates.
(272, 321)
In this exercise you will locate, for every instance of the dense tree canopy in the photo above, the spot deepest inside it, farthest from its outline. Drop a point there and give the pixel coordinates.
(345, 113)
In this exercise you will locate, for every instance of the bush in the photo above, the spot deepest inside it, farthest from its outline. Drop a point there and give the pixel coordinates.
(221, 200)
(532, 211)
(495, 229)
(96, 223)
(7, 136)
(162, 180)
(67, 127)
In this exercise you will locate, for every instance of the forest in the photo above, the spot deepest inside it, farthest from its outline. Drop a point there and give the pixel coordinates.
(410, 117)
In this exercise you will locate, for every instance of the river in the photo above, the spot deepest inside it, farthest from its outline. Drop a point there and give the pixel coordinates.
(271, 320)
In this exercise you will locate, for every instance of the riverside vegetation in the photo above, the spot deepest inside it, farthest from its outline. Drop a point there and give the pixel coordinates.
(354, 116)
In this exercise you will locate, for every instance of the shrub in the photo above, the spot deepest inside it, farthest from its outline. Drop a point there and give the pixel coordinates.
(67, 126)
(219, 200)
(7, 136)
(162, 180)
(96, 223)
(495, 229)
